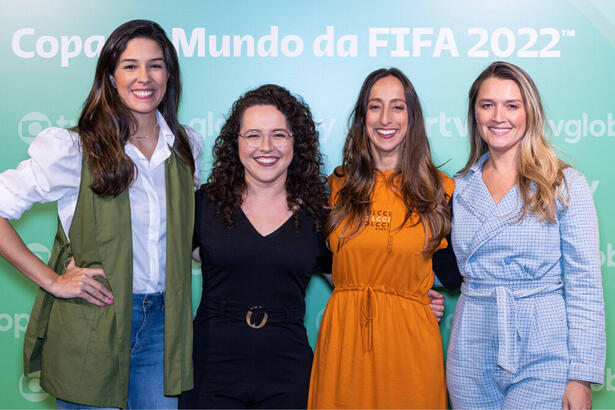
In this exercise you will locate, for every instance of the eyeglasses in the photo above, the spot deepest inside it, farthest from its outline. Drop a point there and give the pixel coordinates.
(279, 138)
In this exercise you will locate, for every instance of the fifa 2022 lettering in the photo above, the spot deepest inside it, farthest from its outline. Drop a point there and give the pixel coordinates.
(395, 42)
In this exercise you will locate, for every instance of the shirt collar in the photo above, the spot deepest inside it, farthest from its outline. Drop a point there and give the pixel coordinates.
(474, 176)
(478, 166)
(165, 131)
(165, 142)
(163, 146)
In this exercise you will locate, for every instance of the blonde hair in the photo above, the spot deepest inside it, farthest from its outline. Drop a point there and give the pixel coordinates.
(541, 174)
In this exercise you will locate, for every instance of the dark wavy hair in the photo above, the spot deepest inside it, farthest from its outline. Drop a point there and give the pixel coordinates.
(305, 184)
(106, 124)
(421, 186)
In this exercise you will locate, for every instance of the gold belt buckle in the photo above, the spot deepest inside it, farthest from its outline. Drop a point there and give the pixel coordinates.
(249, 317)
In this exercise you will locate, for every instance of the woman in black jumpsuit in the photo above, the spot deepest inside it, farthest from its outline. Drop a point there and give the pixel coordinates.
(250, 345)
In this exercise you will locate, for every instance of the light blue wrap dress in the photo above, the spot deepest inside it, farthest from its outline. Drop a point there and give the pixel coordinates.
(531, 313)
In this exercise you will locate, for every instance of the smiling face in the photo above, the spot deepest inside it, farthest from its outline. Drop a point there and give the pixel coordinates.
(386, 121)
(264, 165)
(141, 76)
(500, 115)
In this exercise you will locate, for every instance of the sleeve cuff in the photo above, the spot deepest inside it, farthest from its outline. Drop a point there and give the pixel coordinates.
(579, 371)
(9, 207)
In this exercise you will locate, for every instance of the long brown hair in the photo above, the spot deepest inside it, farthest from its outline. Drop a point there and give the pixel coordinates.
(420, 184)
(540, 170)
(105, 123)
(305, 183)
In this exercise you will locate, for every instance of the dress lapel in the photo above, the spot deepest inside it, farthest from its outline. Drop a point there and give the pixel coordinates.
(504, 213)
(474, 196)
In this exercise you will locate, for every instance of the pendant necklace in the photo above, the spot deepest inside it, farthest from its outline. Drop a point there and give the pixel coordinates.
(142, 137)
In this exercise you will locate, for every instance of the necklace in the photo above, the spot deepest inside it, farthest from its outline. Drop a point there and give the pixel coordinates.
(142, 137)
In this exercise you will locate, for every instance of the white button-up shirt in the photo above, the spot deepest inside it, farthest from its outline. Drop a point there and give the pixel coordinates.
(53, 173)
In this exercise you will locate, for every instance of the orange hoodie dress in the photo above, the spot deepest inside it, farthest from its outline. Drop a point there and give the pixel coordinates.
(379, 343)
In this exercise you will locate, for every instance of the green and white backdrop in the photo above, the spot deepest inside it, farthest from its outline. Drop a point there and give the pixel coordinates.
(321, 50)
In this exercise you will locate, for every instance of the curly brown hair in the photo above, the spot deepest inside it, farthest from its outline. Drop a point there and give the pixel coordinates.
(305, 183)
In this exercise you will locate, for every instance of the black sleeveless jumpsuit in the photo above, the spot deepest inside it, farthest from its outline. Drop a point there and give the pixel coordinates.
(258, 279)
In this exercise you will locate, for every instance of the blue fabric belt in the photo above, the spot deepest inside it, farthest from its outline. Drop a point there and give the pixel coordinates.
(506, 306)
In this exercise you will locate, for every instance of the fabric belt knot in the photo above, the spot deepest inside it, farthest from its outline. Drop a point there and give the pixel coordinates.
(506, 308)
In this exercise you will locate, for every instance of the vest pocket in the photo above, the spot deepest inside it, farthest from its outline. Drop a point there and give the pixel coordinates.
(66, 344)
(80, 344)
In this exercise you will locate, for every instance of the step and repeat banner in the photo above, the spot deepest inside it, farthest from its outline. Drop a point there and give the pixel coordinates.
(321, 50)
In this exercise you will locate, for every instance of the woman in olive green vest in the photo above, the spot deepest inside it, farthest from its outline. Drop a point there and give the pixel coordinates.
(111, 325)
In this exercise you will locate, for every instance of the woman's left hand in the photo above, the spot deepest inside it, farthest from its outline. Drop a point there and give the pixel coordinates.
(436, 303)
(578, 395)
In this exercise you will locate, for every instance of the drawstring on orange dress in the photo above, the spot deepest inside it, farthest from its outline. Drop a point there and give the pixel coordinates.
(368, 313)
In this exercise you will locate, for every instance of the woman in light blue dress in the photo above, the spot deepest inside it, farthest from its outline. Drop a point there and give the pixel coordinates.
(528, 330)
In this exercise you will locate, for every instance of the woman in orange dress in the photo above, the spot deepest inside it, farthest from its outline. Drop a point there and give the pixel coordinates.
(379, 344)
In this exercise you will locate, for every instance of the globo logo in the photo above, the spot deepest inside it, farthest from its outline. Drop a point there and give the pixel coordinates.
(40, 250)
(31, 390)
(31, 125)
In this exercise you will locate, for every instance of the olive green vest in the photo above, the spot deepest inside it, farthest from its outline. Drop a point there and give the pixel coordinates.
(82, 350)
